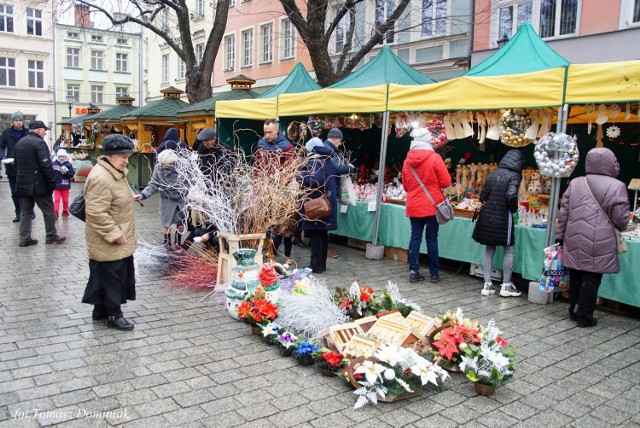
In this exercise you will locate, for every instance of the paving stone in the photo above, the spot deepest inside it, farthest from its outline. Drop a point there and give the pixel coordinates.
(156, 407)
(435, 421)
(225, 420)
(497, 419)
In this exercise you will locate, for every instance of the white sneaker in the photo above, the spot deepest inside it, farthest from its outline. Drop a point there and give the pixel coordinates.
(488, 289)
(509, 290)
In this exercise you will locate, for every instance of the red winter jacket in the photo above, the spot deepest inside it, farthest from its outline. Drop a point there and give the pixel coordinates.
(431, 169)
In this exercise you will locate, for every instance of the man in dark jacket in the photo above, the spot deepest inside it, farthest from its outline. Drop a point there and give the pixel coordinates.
(8, 141)
(217, 160)
(495, 225)
(35, 182)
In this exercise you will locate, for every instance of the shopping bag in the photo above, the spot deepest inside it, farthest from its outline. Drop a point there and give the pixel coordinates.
(347, 195)
(554, 276)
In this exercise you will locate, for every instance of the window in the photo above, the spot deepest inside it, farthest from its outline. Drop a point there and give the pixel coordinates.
(34, 22)
(247, 48)
(199, 8)
(96, 94)
(384, 9)
(182, 70)
(96, 38)
(122, 62)
(7, 71)
(229, 52)
(73, 35)
(73, 57)
(165, 68)
(96, 60)
(232, 3)
(199, 53)
(553, 18)
(289, 34)
(122, 91)
(35, 70)
(266, 40)
(165, 19)
(434, 18)
(122, 41)
(74, 91)
(6, 18)
(636, 11)
(342, 29)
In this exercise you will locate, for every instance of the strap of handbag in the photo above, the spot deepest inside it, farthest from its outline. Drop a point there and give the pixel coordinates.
(586, 182)
(424, 189)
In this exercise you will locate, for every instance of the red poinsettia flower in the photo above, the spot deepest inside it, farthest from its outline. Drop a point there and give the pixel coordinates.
(244, 310)
(446, 347)
(333, 359)
(500, 341)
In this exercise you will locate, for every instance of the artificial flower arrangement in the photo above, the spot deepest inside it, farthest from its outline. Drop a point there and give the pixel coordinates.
(491, 362)
(256, 310)
(287, 341)
(354, 302)
(305, 352)
(331, 362)
(271, 333)
(394, 371)
(453, 337)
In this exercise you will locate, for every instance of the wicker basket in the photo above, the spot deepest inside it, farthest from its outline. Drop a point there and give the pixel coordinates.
(353, 366)
(445, 364)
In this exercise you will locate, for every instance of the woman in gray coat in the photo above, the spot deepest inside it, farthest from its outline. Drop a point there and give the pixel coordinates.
(587, 233)
(165, 181)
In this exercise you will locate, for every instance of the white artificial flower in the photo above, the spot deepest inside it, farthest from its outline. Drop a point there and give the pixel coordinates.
(389, 374)
(389, 354)
(426, 373)
(269, 329)
(469, 363)
(371, 371)
(496, 358)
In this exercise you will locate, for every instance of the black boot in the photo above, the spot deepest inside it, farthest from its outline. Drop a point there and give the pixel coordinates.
(167, 240)
(176, 240)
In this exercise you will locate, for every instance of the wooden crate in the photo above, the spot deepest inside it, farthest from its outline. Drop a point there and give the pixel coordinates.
(463, 213)
(229, 244)
(395, 253)
(356, 243)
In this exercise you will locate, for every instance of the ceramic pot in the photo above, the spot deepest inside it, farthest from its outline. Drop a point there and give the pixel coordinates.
(483, 389)
(245, 279)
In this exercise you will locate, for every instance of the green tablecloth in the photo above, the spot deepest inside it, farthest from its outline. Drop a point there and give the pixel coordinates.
(455, 243)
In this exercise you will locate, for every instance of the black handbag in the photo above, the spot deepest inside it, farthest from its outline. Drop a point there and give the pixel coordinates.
(76, 208)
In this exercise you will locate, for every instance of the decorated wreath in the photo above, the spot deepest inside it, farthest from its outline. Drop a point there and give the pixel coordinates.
(512, 129)
(297, 131)
(556, 154)
(315, 125)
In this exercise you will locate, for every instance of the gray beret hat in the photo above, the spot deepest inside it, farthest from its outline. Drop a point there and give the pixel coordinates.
(116, 143)
(335, 133)
(206, 134)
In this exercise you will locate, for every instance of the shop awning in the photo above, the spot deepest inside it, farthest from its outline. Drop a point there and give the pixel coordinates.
(361, 100)
(607, 82)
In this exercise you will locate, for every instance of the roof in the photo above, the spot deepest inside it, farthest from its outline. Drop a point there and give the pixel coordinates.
(297, 81)
(114, 114)
(78, 120)
(166, 107)
(526, 52)
(208, 105)
(386, 67)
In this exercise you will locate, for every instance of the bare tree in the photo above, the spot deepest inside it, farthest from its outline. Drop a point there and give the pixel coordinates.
(148, 14)
(317, 34)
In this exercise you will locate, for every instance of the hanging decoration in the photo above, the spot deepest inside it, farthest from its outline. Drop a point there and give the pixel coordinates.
(402, 124)
(613, 132)
(556, 154)
(438, 133)
(315, 125)
(513, 127)
(297, 131)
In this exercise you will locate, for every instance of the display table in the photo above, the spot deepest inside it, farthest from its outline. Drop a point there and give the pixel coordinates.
(140, 168)
(455, 243)
(78, 167)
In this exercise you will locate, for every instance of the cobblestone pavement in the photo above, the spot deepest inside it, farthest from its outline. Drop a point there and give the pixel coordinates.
(190, 364)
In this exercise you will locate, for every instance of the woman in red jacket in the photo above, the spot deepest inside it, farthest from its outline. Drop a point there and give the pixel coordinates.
(424, 163)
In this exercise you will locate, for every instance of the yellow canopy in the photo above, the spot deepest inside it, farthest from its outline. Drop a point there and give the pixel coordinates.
(251, 108)
(607, 82)
(323, 101)
(525, 90)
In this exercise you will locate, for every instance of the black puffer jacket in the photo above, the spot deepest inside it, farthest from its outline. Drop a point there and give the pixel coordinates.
(500, 197)
(35, 176)
(8, 141)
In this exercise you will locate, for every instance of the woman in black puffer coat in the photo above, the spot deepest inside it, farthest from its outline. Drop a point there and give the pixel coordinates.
(495, 225)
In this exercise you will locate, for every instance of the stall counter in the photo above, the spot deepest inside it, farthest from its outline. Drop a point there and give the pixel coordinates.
(455, 243)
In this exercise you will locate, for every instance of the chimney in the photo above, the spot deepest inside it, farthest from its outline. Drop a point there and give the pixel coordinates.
(83, 16)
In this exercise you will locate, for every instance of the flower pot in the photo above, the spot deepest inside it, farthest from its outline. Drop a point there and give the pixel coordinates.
(305, 361)
(449, 366)
(286, 352)
(327, 372)
(483, 389)
(255, 330)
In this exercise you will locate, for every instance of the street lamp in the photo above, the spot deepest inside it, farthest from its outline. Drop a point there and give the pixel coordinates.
(70, 101)
(503, 40)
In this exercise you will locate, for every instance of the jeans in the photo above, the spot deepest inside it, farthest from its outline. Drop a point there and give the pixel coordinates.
(418, 224)
(507, 263)
(583, 294)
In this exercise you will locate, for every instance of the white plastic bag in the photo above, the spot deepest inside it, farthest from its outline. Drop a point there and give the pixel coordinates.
(347, 192)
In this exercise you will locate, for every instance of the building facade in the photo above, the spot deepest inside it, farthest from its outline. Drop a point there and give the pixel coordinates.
(26, 61)
(582, 31)
(94, 66)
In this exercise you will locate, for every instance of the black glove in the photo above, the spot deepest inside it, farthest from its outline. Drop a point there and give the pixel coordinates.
(560, 242)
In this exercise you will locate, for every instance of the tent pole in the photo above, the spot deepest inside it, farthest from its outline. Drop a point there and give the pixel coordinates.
(554, 197)
(381, 165)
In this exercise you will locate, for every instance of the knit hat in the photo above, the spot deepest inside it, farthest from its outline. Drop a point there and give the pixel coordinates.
(16, 116)
(167, 157)
(314, 142)
(115, 143)
(335, 133)
(421, 134)
(62, 152)
(207, 134)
